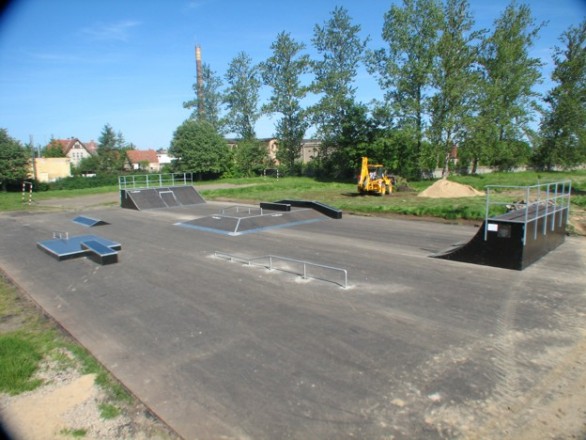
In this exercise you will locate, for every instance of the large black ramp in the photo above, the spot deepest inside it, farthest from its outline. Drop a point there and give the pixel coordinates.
(504, 245)
(163, 197)
(140, 199)
(187, 195)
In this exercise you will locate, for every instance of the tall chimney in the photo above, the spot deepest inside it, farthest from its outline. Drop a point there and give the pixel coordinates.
(200, 98)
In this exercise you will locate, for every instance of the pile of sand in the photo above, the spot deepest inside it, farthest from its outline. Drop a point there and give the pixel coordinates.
(443, 188)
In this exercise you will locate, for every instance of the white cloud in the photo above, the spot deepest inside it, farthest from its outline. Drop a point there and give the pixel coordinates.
(118, 31)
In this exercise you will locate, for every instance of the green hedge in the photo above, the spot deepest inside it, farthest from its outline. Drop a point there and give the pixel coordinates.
(78, 182)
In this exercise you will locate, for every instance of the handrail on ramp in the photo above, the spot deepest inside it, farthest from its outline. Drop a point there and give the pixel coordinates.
(273, 258)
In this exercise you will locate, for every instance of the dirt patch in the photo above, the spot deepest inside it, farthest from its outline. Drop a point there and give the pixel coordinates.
(444, 188)
(69, 403)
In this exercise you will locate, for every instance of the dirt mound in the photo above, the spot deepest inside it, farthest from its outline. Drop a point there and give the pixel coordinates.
(445, 189)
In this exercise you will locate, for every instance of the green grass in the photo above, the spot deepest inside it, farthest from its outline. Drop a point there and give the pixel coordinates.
(35, 338)
(75, 433)
(108, 411)
(344, 195)
(19, 360)
(12, 201)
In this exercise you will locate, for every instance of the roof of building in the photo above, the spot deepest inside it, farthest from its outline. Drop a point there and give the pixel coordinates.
(137, 156)
(67, 144)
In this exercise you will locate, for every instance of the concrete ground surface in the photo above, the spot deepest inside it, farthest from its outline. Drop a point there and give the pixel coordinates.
(416, 347)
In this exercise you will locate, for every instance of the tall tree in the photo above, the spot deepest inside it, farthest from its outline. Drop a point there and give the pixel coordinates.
(14, 160)
(342, 50)
(200, 149)
(108, 139)
(111, 158)
(563, 127)
(454, 79)
(405, 66)
(212, 97)
(242, 96)
(282, 72)
(508, 99)
(53, 149)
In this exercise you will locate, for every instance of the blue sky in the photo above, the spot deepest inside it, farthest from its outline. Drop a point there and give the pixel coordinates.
(68, 67)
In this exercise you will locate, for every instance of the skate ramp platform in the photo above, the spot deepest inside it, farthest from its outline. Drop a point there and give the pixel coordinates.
(159, 198)
(239, 220)
(63, 247)
(518, 238)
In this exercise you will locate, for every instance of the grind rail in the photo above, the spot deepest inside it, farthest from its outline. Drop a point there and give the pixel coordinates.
(272, 259)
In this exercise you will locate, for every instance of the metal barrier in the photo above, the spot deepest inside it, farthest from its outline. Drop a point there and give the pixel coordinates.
(545, 200)
(142, 181)
(273, 258)
(239, 209)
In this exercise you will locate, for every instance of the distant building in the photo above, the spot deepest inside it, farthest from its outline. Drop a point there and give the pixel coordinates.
(50, 169)
(146, 160)
(164, 157)
(309, 148)
(76, 150)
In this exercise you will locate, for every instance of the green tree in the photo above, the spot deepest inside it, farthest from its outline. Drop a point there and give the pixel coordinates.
(242, 96)
(108, 139)
(110, 154)
(14, 160)
(405, 67)
(455, 80)
(507, 97)
(53, 149)
(250, 158)
(88, 165)
(342, 50)
(212, 97)
(199, 148)
(282, 72)
(563, 127)
(357, 132)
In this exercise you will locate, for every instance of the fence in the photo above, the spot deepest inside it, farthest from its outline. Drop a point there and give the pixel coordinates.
(145, 181)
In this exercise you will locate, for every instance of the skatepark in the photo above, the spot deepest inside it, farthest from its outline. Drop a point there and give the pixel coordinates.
(405, 346)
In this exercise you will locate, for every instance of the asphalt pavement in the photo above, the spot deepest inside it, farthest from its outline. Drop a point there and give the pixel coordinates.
(414, 347)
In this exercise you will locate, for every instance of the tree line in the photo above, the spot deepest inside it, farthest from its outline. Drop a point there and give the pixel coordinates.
(444, 83)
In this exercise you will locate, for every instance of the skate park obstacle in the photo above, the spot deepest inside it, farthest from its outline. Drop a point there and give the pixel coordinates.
(526, 232)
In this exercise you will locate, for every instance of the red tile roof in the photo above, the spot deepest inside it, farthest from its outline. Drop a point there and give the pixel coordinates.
(137, 156)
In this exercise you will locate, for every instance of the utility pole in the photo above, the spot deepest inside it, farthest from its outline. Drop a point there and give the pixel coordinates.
(200, 98)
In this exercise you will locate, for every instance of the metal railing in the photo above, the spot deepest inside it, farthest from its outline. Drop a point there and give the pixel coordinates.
(544, 200)
(146, 181)
(241, 209)
(271, 261)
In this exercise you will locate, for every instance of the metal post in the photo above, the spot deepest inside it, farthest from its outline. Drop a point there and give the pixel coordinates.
(486, 213)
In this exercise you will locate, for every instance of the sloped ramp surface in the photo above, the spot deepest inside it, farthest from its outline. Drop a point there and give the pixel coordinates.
(88, 221)
(239, 225)
(159, 198)
(510, 243)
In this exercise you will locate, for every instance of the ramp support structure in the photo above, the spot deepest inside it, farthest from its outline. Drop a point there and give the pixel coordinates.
(528, 230)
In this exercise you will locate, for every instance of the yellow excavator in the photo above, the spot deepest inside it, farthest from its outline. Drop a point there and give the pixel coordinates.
(373, 179)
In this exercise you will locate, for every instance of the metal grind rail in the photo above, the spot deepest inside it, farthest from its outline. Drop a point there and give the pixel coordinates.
(546, 200)
(272, 259)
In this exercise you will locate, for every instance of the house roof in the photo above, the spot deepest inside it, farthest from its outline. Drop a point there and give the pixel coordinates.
(137, 156)
(67, 144)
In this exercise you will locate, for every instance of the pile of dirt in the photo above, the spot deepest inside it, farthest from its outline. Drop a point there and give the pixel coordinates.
(443, 188)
